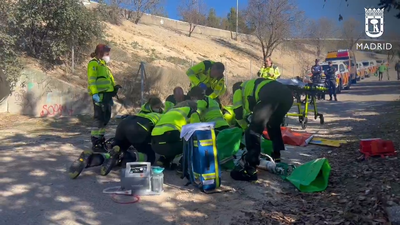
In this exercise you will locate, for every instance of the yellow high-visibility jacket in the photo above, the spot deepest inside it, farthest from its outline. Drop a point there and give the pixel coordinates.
(100, 78)
(209, 111)
(200, 73)
(245, 98)
(229, 115)
(175, 119)
(271, 72)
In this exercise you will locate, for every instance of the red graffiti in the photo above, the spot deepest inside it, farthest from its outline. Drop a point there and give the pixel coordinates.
(55, 110)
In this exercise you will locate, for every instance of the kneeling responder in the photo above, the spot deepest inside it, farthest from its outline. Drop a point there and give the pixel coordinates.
(208, 109)
(175, 98)
(154, 104)
(208, 75)
(166, 140)
(269, 70)
(269, 101)
(330, 74)
(101, 87)
(135, 131)
(124, 133)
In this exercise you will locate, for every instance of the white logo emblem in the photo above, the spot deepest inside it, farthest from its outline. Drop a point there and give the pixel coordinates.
(374, 22)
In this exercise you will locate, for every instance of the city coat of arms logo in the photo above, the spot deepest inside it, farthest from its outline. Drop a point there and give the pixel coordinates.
(374, 22)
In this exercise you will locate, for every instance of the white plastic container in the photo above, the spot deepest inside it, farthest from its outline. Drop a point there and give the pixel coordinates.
(157, 180)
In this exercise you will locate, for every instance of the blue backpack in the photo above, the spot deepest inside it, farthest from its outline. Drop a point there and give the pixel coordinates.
(200, 160)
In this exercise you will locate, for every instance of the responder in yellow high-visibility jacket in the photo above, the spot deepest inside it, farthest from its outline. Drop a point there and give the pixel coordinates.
(229, 115)
(175, 98)
(208, 109)
(208, 75)
(154, 104)
(101, 87)
(166, 134)
(268, 101)
(131, 131)
(269, 70)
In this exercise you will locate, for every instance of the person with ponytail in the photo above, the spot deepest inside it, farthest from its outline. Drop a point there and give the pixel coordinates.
(102, 88)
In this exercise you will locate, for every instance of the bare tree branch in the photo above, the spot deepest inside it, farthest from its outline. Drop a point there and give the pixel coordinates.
(319, 30)
(194, 12)
(352, 32)
(274, 20)
(140, 7)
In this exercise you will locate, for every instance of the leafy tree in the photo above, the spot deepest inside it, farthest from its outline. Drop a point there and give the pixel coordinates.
(48, 29)
(212, 19)
(232, 19)
(9, 64)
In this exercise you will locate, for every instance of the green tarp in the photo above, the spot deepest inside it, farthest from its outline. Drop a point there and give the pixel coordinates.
(312, 176)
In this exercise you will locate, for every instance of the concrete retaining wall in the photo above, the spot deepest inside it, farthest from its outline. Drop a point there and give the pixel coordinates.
(36, 94)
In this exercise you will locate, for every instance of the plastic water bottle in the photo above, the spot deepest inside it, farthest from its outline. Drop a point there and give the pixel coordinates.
(267, 165)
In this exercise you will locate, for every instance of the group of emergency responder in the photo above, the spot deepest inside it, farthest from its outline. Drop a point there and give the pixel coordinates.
(258, 104)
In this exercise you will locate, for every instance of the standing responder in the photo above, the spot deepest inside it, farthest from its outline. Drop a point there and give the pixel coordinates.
(208, 109)
(330, 74)
(133, 130)
(101, 86)
(397, 68)
(316, 78)
(382, 69)
(175, 98)
(208, 75)
(269, 101)
(166, 140)
(154, 104)
(269, 70)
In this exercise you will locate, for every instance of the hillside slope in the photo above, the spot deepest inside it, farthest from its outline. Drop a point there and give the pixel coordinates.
(168, 53)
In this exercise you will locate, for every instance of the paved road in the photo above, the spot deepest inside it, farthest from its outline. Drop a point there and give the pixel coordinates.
(34, 188)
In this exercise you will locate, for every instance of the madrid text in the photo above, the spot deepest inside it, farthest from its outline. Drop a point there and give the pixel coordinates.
(374, 46)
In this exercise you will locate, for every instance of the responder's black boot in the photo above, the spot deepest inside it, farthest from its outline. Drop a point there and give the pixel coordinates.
(243, 171)
(110, 160)
(330, 97)
(335, 98)
(276, 156)
(98, 144)
(163, 162)
(81, 163)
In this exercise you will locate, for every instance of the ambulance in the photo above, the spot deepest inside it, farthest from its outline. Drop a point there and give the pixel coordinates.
(347, 57)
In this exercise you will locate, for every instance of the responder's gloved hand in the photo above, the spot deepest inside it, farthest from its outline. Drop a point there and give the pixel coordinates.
(203, 86)
(96, 98)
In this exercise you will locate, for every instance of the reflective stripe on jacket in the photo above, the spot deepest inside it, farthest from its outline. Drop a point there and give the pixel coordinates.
(200, 73)
(100, 78)
(210, 112)
(175, 119)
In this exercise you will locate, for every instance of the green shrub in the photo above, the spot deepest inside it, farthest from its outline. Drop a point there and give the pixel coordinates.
(48, 29)
(9, 63)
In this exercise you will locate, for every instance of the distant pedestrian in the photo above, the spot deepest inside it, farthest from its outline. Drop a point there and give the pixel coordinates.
(330, 74)
(381, 70)
(397, 68)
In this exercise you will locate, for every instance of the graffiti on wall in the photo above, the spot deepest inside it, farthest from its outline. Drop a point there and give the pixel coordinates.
(56, 110)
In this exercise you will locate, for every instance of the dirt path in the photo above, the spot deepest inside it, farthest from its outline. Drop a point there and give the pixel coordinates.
(35, 153)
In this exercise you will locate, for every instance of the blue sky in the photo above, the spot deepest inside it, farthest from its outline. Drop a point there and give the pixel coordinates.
(313, 9)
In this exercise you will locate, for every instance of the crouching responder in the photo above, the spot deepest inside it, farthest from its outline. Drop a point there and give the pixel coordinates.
(330, 74)
(175, 98)
(208, 109)
(154, 104)
(166, 140)
(269, 101)
(101, 87)
(132, 131)
(209, 76)
(269, 70)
